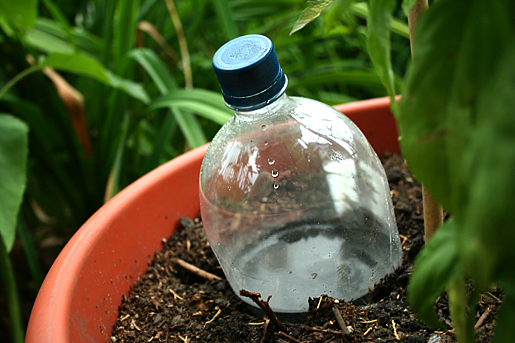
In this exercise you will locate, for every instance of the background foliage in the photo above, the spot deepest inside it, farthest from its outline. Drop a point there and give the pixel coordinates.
(104, 92)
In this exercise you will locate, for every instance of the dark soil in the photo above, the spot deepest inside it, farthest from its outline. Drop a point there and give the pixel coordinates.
(170, 304)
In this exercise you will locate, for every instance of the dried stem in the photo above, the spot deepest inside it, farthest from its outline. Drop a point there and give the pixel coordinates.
(265, 307)
(433, 213)
(183, 44)
(196, 270)
(340, 320)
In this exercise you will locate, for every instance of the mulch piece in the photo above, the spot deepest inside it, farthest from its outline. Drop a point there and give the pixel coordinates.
(171, 304)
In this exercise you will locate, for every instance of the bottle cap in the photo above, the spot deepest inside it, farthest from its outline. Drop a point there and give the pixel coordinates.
(249, 72)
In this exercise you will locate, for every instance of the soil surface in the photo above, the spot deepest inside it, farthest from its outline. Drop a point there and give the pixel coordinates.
(172, 304)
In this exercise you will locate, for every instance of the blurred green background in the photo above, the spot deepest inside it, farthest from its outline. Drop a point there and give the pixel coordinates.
(112, 89)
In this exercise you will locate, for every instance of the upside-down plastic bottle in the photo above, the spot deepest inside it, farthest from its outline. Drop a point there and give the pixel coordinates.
(294, 201)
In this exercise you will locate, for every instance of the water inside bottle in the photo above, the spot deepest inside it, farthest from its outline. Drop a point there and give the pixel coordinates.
(341, 257)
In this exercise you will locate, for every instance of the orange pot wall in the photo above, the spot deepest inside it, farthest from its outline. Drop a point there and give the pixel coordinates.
(79, 299)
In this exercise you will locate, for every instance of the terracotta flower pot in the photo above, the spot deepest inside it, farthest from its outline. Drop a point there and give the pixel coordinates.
(79, 299)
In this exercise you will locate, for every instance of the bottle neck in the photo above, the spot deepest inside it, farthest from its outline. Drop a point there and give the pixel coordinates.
(265, 111)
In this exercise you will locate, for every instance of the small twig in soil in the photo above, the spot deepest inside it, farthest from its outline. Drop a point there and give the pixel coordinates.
(334, 332)
(499, 301)
(369, 321)
(483, 318)
(395, 330)
(135, 326)
(125, 317)
(368, 330)
(265, 307)
(196, 270)
(214, 317)
(319, 302)
(256, 324)
(175, 295)
(184, 339)
(286, 336)
(340, 320)
(265, 328)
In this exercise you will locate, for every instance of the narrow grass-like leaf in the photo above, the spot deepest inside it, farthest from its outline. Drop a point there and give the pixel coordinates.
(224, 12)
(155, 67)
(157, 70)
(13, 164)
(203, 109)
(84, 65)
(397, 26)
(19, 13)
(190, 127)
(13, 305)
(315, 8)
(378, 44)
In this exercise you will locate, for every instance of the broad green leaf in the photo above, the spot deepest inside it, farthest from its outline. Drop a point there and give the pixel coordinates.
(315, 8)
(436, 265)
(378, 44)
(487, 184)
(19, 13)
(13, 164)
(84, 65)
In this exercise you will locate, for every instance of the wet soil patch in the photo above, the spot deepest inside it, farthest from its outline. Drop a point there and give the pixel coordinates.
(173, 304)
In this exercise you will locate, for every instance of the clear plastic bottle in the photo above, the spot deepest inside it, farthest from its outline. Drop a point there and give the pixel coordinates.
(294, 201)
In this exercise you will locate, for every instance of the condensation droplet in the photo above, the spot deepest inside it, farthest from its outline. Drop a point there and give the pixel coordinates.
(271, 161)
(276, 186)
(275, 173)
(263, 127)
(266, 143)
(289, 272)
(314, 276)
(218, 243)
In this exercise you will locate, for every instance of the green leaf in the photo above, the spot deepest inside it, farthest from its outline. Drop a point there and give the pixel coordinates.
(19, 13)
(505, 320)
(378, 44)
(435, 266)
(360, 9)
(224, 12)
(156, 68)
(334, 14)
(84, 65)
(13, 164)
(315, 8)
(209, 106)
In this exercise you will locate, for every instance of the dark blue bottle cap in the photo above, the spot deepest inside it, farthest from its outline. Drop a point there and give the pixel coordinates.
(249, 73)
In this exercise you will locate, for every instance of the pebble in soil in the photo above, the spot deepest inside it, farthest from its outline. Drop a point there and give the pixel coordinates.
(170, 304)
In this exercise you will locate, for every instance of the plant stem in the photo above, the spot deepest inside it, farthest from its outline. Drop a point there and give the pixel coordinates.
(418, 8)
(7, 275)
(433, 213)
(183, 44)
(17, 78)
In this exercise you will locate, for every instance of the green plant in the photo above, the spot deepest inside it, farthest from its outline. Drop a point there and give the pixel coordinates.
(458, 137)
(100, 86)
